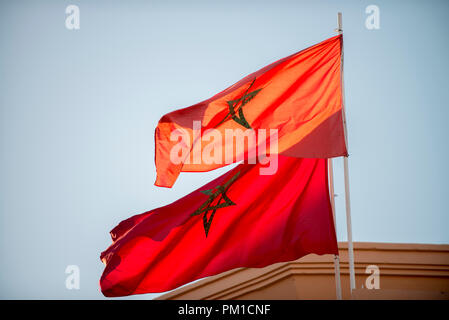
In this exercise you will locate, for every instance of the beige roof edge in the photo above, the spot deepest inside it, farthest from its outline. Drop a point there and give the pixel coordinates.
(396, 246)
(359, 246)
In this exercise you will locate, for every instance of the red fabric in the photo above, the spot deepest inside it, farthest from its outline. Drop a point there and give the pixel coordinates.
(275, 218)
(300, 96)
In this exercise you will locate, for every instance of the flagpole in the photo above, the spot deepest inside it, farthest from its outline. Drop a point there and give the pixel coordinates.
(346, 172)
(336, 256)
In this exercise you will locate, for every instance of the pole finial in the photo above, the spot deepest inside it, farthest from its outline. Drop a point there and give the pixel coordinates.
(339, 23)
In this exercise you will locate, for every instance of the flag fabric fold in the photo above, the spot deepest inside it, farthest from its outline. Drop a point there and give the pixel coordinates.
(298, 96)
(241, 219)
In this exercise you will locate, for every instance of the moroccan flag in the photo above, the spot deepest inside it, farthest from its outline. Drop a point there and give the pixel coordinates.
(241, 219)
(296, 102)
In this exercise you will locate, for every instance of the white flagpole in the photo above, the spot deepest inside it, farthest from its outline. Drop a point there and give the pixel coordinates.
(336, 257)
(346, 171)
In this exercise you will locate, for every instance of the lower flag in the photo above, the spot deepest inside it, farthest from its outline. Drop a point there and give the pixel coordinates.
(241, 219)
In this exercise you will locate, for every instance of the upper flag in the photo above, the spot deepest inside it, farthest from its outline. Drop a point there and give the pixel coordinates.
(228, 223)
(291, 107)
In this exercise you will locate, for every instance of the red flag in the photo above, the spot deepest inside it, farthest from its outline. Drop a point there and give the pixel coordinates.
(299, 96)
(241, 219)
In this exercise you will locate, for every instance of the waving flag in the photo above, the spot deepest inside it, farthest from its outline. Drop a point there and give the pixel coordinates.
(295, 103)
(241, 219)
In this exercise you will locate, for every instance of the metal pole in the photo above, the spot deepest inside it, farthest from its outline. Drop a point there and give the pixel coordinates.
(349, 227)
(336, 257)
(346, 172)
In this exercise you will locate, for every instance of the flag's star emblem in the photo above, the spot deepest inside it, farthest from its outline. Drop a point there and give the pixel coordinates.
(235, 107)
(218, 192)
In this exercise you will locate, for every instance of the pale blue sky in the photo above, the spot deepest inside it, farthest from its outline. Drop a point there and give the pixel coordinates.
(79, 108)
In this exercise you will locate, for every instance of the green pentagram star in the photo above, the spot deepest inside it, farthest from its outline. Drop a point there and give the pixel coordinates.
(218, 192)
(239, 103)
